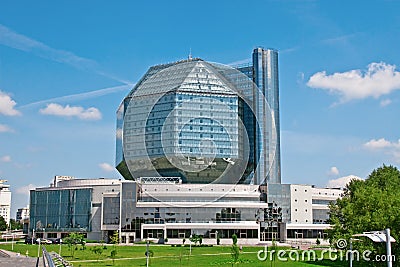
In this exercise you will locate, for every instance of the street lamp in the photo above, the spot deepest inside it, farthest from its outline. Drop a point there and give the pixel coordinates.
(38, 251)
(190, 244)
(381, 237)
(12, 242)
(216, 236)
(147, 252)
(33, 235)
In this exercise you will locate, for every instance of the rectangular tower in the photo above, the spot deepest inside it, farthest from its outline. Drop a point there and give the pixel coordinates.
(264, 73)
(5, 201)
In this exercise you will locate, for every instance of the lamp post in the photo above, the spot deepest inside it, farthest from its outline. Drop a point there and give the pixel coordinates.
(216, 236)
(380, 237)
(190, 244)
(388, 248)
(59, 251)
(12, 242)
(351, 252)
(38, 251)
(147, 252)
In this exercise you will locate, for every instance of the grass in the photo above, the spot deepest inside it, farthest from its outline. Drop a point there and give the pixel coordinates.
(166, 256)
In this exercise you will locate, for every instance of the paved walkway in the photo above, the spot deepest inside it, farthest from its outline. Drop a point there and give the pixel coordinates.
(15, 259)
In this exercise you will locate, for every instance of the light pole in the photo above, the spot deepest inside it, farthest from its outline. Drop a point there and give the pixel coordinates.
(12, 242)
(38, 251)
(388, 247)
(147, 252)
(351, 252)
(380, 237)
(190, 244)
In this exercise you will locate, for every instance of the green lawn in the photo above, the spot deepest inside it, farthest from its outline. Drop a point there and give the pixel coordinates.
(165, 255)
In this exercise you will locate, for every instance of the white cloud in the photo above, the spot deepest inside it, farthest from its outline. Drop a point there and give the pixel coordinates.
(106, 167)
(24, 190)
(5, 159)
(377, 144)
(71, 111)
(18, 41)
(339, 39)
(342, 181)
(379, 79)
(4, 128)
(383, 145)
(333, 171)
(7, 105)
(82, 96)
(385, 102)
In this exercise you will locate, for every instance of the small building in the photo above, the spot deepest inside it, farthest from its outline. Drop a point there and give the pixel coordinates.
(165, 208)
(5, 201)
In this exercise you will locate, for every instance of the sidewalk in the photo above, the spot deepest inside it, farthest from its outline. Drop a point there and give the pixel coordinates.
(16, 259)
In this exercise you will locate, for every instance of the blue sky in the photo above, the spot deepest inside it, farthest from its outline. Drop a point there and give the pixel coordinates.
(65, 67)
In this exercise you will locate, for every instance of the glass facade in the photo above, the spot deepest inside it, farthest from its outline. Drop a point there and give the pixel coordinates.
(265, 135)
(134, 216)
(111, 210)
(184, 120)
(60, 210)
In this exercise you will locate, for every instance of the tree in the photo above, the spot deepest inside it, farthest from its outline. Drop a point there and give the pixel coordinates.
(113, 255)
(235, 253)
(15, 224)
(370, 205)
(73, 240)
(115, 238)
(114, 241)
(97, 250)
(3, 224)
(196, 239)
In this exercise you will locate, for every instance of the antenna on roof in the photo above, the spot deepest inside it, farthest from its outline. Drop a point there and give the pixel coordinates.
(190, 54)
